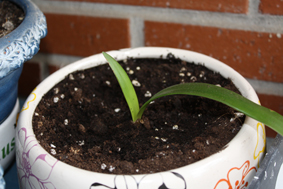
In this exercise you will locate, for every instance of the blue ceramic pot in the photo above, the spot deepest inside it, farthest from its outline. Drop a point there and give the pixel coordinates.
(16, 48)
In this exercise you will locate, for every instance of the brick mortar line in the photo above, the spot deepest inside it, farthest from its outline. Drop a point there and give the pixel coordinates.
(251, 22)
(261, 87)
(267, 87)
(253, 9)
(136, 32)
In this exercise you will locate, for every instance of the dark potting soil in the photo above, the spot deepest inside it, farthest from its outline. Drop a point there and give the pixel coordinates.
(11, 16)
(84, 120)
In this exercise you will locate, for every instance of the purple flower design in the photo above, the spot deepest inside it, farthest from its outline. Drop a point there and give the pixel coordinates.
(34, 171)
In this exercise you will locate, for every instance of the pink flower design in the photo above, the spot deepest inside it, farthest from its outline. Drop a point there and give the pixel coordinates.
(236, 177)
(33, 172)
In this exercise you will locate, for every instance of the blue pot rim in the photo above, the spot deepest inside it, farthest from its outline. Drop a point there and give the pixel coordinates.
(23, 43)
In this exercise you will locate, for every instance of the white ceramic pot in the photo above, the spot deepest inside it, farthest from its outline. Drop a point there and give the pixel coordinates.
(232, 167)
(7, 139)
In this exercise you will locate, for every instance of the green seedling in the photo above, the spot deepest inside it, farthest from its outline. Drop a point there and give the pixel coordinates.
(225, 96)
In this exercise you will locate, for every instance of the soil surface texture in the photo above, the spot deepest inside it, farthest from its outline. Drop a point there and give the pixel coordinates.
(84, 120)
(11, 16)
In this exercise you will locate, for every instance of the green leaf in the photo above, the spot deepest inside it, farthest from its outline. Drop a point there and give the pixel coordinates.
(225, 96)
(125, 84)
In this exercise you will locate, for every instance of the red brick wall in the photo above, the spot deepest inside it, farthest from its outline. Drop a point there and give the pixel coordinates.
(274, 7)
(254, 54)
(248, 37)
(83, 35)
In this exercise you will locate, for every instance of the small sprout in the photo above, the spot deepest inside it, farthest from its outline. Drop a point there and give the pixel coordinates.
(157, 138)
(52, 146)
(117, 110)
(36, 114)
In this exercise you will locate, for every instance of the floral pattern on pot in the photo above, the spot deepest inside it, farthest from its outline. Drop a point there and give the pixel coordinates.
(164, 181)
(237, 172)
(261, 141)
(31, 176)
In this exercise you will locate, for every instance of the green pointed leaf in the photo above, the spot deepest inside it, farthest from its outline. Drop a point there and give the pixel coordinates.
(125, 84)
(225, 96)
